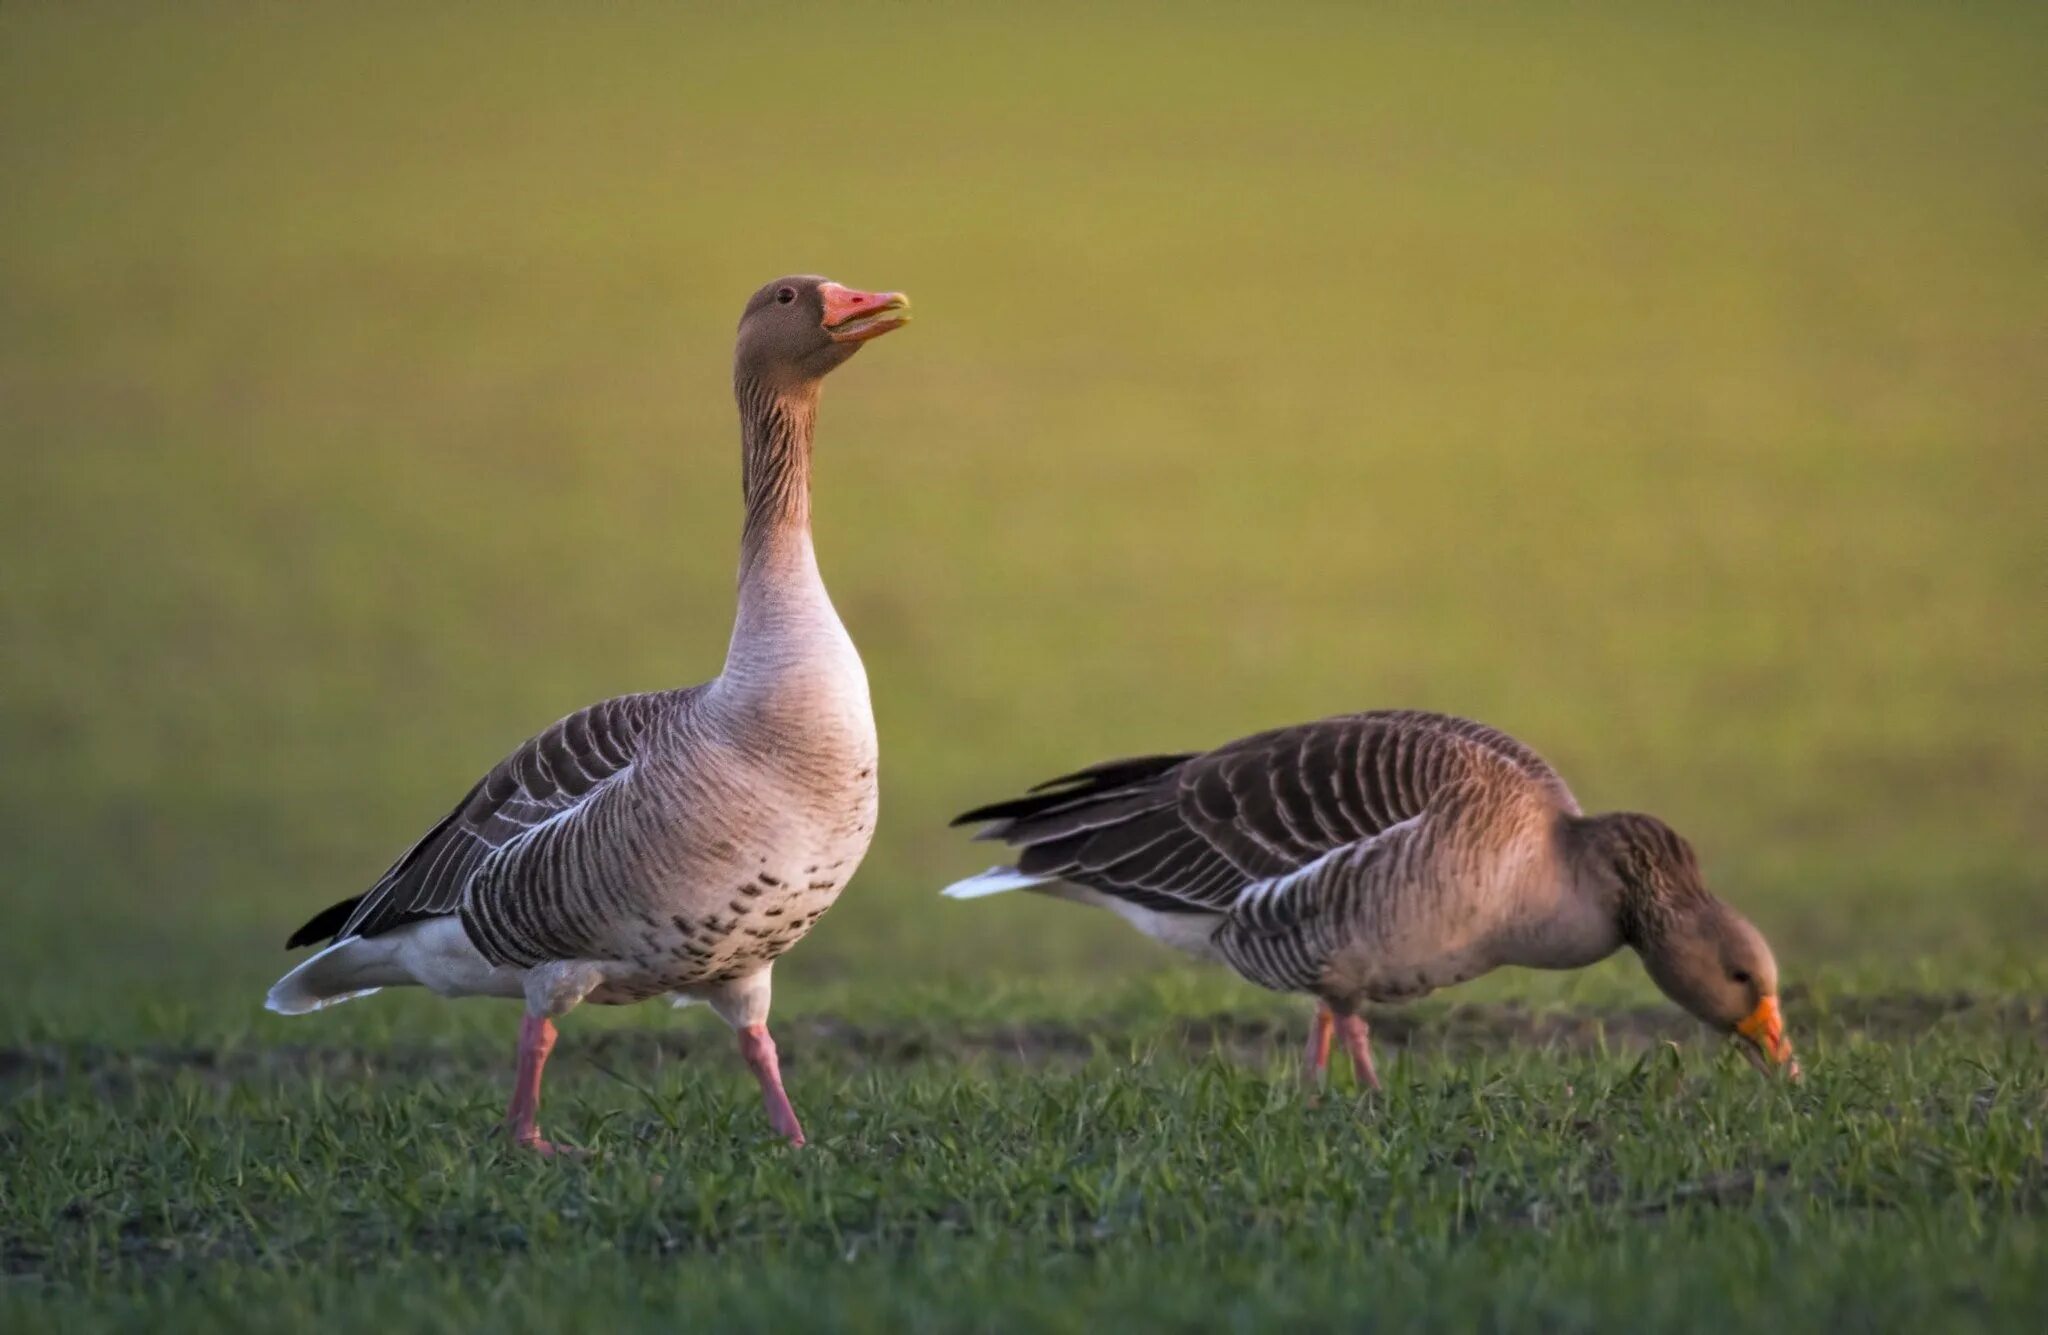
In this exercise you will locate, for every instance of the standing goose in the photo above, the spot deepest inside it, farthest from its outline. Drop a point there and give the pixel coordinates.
(673, 843)
(1377, 857)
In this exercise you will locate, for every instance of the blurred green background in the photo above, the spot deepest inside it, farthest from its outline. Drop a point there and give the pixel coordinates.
(1664, 385)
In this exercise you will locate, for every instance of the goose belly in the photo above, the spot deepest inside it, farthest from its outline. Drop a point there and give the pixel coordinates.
(1436, 931)
(1517, 915)
(1406, 971)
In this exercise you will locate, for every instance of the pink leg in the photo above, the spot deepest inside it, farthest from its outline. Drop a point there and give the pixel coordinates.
(1358, 1042)
(1316, 1061)
(536, 1041)
(759, 1050)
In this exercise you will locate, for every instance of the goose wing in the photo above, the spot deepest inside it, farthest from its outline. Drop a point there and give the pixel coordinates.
(1422, 879)
(1282, 932)
(548, 778)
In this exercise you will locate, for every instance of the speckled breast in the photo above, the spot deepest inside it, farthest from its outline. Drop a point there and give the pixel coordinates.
(742, 902)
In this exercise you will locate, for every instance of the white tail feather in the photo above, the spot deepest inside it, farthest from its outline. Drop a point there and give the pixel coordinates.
(327, 978)
(994, 881)
(435, 954)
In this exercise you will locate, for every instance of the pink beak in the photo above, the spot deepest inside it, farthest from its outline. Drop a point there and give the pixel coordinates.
(852, 316)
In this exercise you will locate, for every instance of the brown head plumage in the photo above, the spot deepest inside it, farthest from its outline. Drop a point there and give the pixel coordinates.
(1702, 953)
(799, 328)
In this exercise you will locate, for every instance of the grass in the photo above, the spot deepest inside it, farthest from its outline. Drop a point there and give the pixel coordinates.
(1055, 1176)
(1660, 386)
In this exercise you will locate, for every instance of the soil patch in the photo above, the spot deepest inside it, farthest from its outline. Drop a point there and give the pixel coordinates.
(1475, 1027)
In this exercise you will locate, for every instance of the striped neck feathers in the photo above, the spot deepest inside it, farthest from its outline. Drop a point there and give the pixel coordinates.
(785, 621)
(776, 425)
(1644, 869)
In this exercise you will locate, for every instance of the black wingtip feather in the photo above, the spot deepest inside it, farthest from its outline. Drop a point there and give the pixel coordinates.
(323, 925)
(1115, 773)
(1110, 776)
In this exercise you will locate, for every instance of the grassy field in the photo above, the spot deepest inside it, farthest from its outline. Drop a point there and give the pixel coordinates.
(1664, 387)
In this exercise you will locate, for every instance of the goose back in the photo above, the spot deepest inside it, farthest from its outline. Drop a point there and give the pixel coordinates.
(1379, 854)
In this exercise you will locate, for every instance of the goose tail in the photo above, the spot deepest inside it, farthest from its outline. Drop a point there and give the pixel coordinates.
(332, 976)
(994, 881)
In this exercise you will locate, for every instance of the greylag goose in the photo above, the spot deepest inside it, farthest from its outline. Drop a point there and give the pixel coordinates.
(673, 843)
(1377, 857)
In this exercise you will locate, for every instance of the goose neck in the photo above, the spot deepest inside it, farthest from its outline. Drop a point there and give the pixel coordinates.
(776, 426)
(784, 613)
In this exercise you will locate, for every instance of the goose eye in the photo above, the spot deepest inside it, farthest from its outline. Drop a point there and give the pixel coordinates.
(1740, 976)
(786, 295)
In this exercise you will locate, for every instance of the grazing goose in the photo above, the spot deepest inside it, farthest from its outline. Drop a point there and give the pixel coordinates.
(1377, 857)
(673, 843)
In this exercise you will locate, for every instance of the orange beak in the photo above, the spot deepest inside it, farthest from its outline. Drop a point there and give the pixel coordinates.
(854, 317)
(1764, 1029)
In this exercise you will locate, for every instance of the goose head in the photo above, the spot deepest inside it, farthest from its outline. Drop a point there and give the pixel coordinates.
(1701, 952)
(796, 330)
